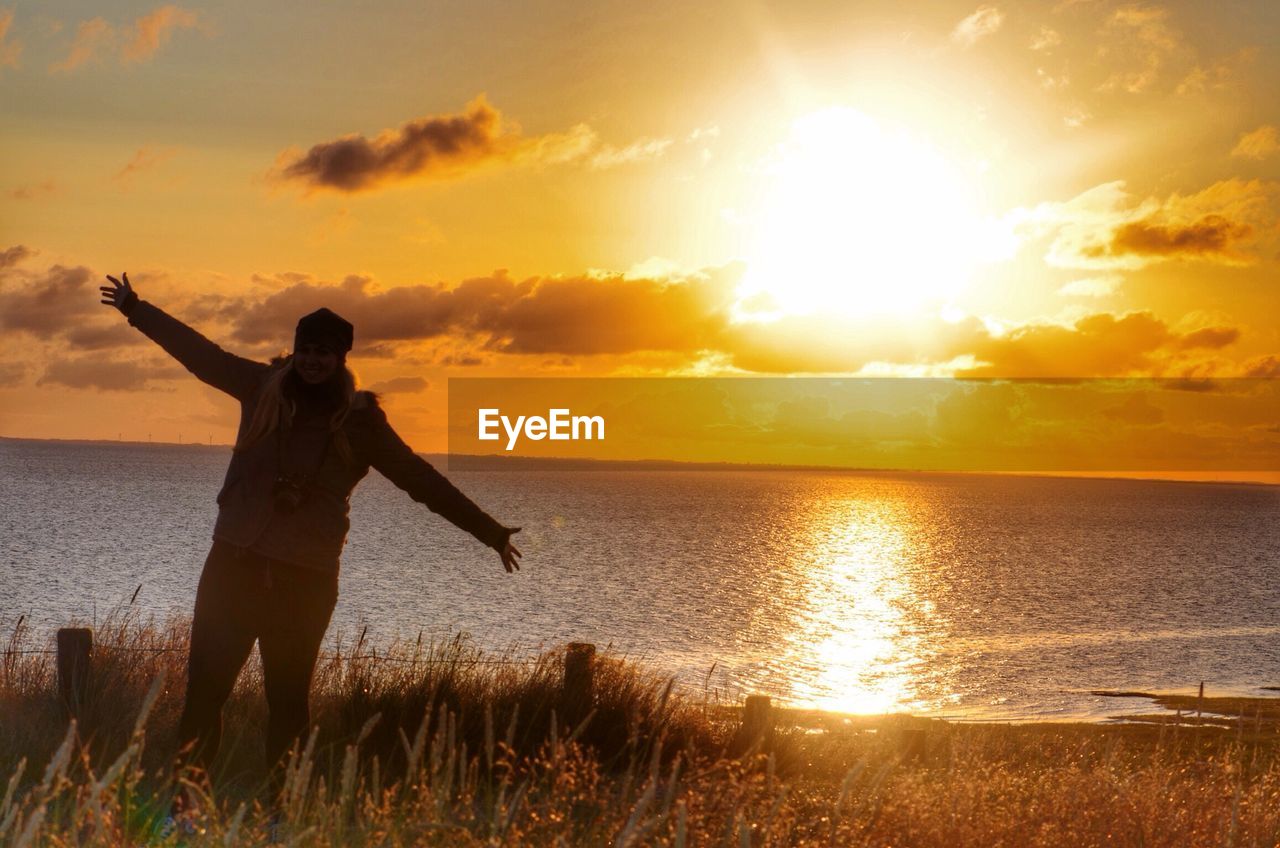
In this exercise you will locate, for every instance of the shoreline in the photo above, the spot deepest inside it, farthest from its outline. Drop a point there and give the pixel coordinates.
(471, 462)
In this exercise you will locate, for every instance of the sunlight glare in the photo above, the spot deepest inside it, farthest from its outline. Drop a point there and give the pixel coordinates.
(858, 218)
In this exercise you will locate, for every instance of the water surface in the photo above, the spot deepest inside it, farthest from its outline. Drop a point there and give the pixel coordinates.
(952, 595)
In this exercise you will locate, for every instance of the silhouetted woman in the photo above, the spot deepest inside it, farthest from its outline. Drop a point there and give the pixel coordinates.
(306, 437)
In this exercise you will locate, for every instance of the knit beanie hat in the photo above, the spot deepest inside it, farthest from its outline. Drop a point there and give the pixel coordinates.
(325, 327)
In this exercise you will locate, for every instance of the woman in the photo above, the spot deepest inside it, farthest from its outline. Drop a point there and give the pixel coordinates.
(306, 438)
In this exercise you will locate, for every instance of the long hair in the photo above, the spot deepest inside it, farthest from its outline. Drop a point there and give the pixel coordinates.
(276, 408)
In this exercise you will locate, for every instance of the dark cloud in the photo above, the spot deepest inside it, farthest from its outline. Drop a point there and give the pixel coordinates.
(433, 146)
(48, 302)
(1210, 236)
(92, 372)
(1209, 337)
(581, 315)
(11, 256)
(399, 385)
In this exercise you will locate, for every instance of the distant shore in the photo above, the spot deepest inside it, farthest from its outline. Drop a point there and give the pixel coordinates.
(473, 462)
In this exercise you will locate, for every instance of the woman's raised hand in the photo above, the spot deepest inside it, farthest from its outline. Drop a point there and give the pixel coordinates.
(510, 553)
(119, 294)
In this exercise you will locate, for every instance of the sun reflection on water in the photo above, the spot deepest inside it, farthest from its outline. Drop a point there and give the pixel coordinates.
(858, 619)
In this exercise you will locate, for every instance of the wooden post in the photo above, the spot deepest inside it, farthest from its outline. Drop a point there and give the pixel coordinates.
(757, 725)
(579, 680)
(75, 654)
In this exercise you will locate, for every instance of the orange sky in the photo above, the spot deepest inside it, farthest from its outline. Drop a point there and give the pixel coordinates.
(1046, 189)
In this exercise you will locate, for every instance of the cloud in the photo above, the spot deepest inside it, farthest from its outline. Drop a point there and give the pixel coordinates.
(1046, 39)
(1105, 228)
(983, 22)
(1209, 337)
(639, 151)
(49, 302)
(152, 30)
(91, 37)
(399, 385)
(11, 256)
(669, 322)
(1263, 366)
(10, 51)
(131, 44)
(612, 314)
(1097, 345)
(95, 372)
(1137, 40)
(436, 146)
(448, 146)
(580, 315)
(1259, 144)
(1218, 75)
(1212, 236)
(1091, 287)
(143, 159)
(59, 304)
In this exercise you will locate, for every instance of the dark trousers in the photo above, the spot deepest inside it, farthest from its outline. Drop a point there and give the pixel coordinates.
(242, 598)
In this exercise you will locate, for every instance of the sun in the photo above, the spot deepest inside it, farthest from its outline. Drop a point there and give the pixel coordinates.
(859, 217)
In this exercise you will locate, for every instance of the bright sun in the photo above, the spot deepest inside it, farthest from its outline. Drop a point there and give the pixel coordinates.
(858, 218)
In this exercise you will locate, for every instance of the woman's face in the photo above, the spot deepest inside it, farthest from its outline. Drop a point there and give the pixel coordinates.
(315, 363)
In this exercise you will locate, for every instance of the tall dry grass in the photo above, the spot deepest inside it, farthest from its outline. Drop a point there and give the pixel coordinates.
(440, 745)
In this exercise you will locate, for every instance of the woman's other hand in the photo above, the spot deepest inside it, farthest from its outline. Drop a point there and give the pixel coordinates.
(119, 294)
(510, 553)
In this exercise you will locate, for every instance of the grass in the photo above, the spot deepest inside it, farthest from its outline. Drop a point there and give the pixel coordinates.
(446, 745)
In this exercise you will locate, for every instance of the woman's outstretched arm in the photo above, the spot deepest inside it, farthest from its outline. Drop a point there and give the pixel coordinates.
(235, 375)
(396, 461)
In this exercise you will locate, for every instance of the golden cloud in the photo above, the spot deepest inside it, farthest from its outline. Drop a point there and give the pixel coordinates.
(1104, 228)
(132, 44)
(985, 21)
(150, 31)
(1259, 144)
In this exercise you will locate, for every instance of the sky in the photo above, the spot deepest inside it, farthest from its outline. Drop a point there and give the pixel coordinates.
(722, 189)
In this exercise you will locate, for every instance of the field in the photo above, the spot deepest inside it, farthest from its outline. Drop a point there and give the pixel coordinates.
(446, 745)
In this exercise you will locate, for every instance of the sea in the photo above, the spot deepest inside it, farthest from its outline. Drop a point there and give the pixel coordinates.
(961, 596)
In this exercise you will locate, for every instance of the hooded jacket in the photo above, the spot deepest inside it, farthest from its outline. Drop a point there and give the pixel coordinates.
(313, 534)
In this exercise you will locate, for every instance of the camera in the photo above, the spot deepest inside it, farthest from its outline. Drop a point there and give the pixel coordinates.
(287, 494)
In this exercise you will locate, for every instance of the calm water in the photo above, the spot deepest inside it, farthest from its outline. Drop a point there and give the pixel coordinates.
(981, 597)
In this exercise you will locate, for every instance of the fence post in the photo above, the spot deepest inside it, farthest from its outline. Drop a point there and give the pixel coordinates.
(75, 655)
(757, 724)
(579, 680)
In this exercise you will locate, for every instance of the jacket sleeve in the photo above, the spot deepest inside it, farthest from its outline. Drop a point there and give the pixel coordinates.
(396, 461)
(393, 459)
(235, 375)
